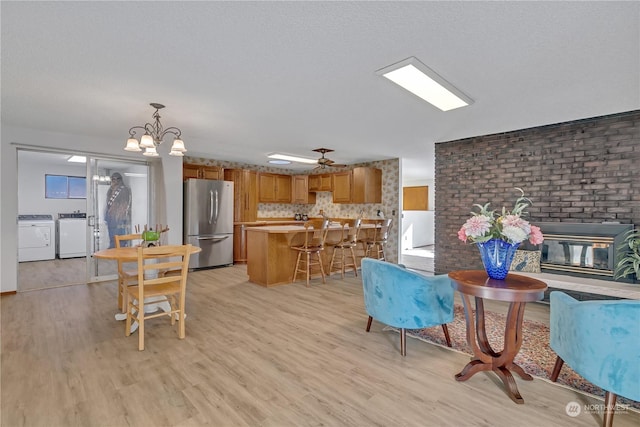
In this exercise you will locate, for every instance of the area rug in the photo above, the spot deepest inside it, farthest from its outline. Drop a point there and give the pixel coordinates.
(535, 356)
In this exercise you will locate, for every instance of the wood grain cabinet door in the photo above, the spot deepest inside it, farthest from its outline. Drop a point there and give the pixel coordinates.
(300, 193)
(415, 198)
(366, 185)
(342, 187)
(250, 195)
(266, 188)
(283, 188)
(326, 182)
(314, 182)
(190, 171)
(211, 172)
(322, 182)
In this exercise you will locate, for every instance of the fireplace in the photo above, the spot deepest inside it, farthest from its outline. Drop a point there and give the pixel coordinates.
(582, 249)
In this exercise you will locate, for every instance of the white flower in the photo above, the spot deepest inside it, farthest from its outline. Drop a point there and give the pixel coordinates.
(514, 234)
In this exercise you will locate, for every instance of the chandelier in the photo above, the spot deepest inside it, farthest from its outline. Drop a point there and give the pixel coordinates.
(154, 133)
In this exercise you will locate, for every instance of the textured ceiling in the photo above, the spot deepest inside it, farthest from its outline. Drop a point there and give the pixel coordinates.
(242, 79)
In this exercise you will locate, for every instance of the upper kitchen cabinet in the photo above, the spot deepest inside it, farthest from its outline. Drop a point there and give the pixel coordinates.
(320, 182)
(342, 183)
(415, 198)
(190, 170)
(245, 190)
(359, 185)
(300, 193)
(274, 188)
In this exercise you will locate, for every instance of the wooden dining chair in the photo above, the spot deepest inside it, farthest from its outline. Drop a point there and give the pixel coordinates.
(127, 271)
(345, 248)
(161, 288)
(314, 240)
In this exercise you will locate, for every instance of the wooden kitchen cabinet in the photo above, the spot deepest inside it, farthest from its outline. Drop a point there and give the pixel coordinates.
(300, 192)
(342, 187)
(245, 194)
(190, 170)
(415, 198)
(320, 182)
(274, 188)
(359, 185)
(367, 185)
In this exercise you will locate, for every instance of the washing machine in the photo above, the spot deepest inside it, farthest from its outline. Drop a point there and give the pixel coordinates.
(71, 239)
(36, 238)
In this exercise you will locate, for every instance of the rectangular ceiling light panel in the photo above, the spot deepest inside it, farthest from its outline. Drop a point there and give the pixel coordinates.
(422, 81)
(292, 158)
(77, 159)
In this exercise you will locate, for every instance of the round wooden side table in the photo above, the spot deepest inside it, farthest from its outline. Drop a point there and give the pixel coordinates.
(517, 291)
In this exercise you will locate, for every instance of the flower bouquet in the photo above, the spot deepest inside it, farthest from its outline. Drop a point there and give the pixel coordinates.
(498, 236)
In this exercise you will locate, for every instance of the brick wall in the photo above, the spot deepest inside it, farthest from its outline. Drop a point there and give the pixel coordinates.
(580, 171)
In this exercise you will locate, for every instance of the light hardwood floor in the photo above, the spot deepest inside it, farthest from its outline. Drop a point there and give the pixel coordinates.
(284, 356)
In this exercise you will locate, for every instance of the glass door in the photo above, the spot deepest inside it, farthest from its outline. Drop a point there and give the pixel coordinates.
(117, 201)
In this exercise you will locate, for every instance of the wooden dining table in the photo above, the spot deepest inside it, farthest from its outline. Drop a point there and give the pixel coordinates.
(127, 254)
(515, 289)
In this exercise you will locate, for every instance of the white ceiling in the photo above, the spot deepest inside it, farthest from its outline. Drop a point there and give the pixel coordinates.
(242, 79)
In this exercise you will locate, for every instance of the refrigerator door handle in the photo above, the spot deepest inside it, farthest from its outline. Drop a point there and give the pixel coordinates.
(213, 238)
(210, 206)
(217, 207)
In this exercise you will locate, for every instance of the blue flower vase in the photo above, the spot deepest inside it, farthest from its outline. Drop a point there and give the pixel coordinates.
(496, 256)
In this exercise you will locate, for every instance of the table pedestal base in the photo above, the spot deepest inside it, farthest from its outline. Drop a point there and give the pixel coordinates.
(486, 359)
(504, 372)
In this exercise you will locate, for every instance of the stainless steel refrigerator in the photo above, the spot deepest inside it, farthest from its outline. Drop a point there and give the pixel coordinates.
(208, 221)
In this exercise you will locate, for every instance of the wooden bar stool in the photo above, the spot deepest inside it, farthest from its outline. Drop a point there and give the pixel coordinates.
(375, 245)
(313, 246)
(345, 247)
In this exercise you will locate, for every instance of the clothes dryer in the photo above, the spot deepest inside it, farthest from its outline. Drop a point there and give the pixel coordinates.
(36, 238)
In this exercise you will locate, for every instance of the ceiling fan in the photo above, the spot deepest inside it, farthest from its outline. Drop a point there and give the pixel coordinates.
(323, 162)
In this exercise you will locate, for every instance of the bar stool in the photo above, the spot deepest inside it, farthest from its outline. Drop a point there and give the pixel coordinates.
(375, 245)
(348, 241)
(313, 245)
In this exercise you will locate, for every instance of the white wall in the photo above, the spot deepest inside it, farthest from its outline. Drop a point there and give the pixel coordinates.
(78, 144)
(31, 187)
(418, 229)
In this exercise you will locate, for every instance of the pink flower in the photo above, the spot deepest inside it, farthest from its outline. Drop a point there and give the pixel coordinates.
(516, 221)
(462, 235)
(536, 235)
(477, 226)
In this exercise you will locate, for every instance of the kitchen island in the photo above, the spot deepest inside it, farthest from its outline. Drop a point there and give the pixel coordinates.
(240, 235)
(270, 259)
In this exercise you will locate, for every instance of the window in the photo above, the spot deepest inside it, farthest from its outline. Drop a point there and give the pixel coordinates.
(65, 187)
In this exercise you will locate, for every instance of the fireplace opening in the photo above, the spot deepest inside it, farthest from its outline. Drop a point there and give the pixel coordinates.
(582, 249)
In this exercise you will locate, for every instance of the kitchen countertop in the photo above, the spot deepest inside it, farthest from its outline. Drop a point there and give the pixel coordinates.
(259, 223)
(284, 221)
(296, 228)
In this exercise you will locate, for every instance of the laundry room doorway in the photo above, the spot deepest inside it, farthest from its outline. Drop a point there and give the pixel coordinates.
(61, 207)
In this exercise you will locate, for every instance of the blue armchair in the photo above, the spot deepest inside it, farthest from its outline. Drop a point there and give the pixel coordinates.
(404, 299)
(600, 341)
